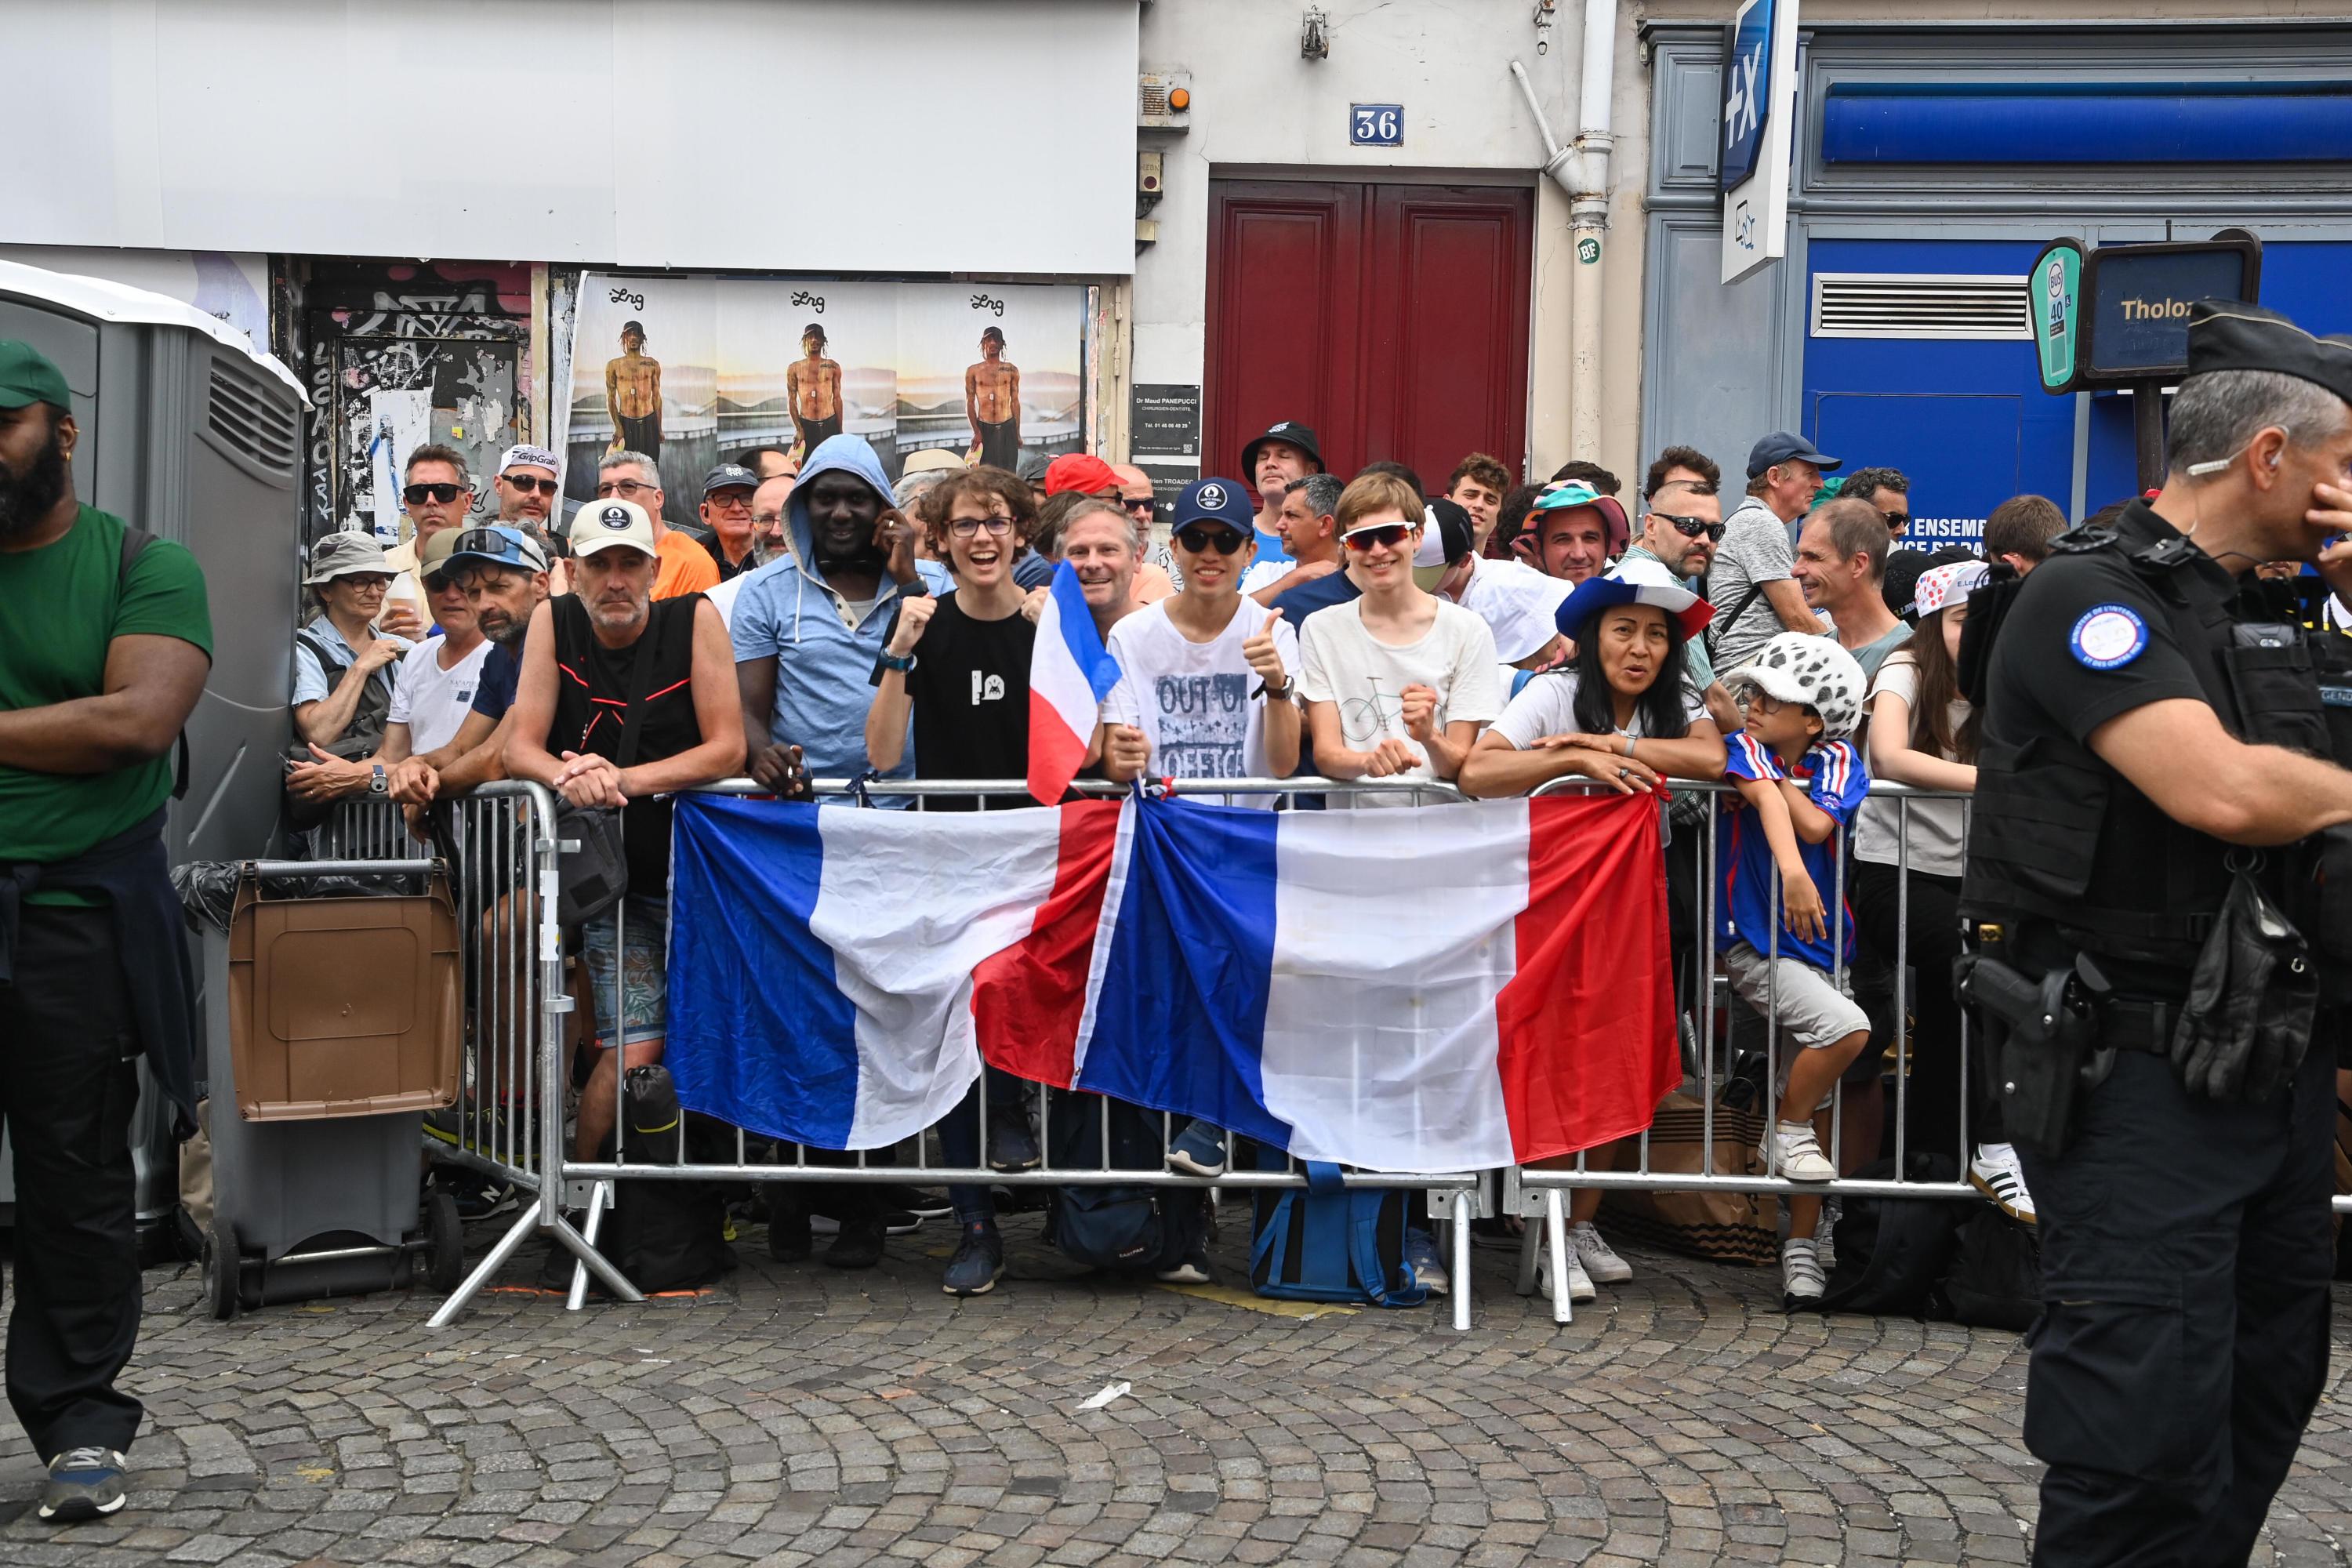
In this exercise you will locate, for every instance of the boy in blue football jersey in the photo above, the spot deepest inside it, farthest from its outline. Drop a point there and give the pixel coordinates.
(1800, 778)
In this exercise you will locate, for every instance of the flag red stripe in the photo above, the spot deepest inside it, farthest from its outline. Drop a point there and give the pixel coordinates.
(1026, 1000)
(1587, 1023)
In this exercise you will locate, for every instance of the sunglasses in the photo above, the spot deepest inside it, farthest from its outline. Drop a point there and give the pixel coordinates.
(485, 542)
(1223, 541)
(1693, 526)
(417, 495)
(970, 527)
(544, 486)
(1896, 522)
(1140, 506)
(1387, 536)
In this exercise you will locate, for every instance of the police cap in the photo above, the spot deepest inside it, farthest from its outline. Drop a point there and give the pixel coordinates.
(2225, 335)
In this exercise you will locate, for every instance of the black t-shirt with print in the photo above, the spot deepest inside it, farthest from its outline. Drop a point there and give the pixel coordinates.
(970, 687)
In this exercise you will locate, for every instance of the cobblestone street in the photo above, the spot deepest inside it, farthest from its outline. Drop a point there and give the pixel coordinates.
(798, 1415)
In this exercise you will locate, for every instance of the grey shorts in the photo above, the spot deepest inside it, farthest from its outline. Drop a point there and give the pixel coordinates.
(1813, 1010)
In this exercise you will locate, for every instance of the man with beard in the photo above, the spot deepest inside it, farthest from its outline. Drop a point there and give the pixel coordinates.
(525, 488)
(105, 641)
(505, 578)
(808, 628)
(690, 733)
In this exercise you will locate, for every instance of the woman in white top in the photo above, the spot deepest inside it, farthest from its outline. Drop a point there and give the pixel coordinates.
(1398, 683)
(1622, 715)
(1924, 733)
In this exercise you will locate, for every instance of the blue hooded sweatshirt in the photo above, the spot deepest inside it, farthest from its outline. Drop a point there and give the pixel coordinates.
(825, 667)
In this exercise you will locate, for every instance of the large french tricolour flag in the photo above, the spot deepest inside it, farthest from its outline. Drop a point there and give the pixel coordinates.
(1453, 987)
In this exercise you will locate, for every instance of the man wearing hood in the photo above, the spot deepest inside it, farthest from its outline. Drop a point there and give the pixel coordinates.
(808, 628)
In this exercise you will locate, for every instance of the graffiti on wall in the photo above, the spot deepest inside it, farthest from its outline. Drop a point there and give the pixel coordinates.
(403, 352)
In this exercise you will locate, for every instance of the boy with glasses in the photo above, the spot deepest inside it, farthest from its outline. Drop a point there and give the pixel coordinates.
(685, 566)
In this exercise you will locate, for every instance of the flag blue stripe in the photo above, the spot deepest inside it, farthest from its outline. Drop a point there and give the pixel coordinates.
(1081, 634)
(760, 1033)
(1181, 1022)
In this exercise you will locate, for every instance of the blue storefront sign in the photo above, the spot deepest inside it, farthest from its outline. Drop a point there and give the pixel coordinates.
(1747, 91)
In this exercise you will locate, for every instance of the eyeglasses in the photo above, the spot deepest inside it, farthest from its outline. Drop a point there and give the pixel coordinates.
(1386, 536)
(1896, 522)
(1139, 505)
(625, 489)
(1223, 541)
(525, 485)
(969, 527)
(417, 495)
(367, 581)
(1693, 526)
(728, 501)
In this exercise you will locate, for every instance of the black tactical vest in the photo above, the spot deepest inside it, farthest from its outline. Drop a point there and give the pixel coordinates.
(2059, 836)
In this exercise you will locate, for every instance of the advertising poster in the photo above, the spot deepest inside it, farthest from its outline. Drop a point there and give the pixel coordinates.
(695, 371)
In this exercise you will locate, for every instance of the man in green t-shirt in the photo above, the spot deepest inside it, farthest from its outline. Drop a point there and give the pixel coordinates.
(100, 666)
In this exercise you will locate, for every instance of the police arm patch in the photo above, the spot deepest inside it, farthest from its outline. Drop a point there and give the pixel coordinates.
(2108, 637)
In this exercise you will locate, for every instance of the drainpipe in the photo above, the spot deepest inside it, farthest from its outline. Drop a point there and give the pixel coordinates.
(1582, 169)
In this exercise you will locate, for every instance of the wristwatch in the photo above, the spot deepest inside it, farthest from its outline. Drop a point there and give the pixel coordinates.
(378, 785)
(901, 663)
(1281, 693)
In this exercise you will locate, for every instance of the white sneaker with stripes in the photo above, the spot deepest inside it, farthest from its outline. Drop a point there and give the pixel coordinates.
(1801, 1279)
(1995, 1173)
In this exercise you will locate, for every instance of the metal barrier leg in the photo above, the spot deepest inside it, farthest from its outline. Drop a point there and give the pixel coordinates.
(1462, 1260)
(599, 1198)
(1563, 1309)
(525, 1225)
(612, 1278)
(1530, 1254)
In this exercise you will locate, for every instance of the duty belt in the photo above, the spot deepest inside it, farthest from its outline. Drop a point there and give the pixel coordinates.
(2134, 1024)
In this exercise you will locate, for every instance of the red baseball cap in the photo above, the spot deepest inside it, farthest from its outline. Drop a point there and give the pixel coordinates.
(1081, 472)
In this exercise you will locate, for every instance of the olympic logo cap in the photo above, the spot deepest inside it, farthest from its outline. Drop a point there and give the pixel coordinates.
(1216, 501)
(603, 524)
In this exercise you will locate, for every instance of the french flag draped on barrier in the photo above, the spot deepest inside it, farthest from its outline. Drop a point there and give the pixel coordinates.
(1447, 988)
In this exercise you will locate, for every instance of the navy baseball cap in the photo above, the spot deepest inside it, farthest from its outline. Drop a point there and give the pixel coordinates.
(728, 477)
(1781, 447)
(1217, 501)
(1290, 433)
(507, 546)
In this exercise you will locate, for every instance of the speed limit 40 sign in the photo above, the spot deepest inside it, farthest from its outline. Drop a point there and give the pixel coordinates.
(1376, 124)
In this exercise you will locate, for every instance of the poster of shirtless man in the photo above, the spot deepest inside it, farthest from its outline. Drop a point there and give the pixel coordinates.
(812, 383)
(633, 395)
(991, 402)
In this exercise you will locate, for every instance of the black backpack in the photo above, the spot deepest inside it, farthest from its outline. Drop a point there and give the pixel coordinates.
(663, 1236)
(1995, 1281)
(1893, 1253)
(1118, 1226)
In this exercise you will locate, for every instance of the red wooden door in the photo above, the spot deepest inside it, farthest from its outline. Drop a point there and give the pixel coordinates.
(1391, 318)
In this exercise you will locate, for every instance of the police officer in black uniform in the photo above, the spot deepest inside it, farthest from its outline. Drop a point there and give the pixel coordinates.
(2149, 952)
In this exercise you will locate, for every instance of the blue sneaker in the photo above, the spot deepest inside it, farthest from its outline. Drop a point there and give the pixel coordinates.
(1198, 1150)
(84, 1484)
(977, 1263)
(1428, 1266)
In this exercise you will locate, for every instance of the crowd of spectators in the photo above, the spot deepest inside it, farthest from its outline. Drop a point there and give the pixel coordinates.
(832, 623)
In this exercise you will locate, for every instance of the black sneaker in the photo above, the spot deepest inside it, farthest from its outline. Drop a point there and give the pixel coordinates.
(898, 1222)
(480, 1197)
(1012, 1146)
(84, 1484)
(1192, 1270)
(923, 1203)
(859, 1245)
(977, 1263)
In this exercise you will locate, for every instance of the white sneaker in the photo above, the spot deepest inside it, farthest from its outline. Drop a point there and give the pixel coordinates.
(1793, 1148)
(1599, 1259)
(1580, 1283)
(1995, 1173)
(1801, 1279)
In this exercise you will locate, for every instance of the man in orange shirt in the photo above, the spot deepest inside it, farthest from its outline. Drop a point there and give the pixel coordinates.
(685, 566)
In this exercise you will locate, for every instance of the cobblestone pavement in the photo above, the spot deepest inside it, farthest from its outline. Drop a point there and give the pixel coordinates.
(801, 1414)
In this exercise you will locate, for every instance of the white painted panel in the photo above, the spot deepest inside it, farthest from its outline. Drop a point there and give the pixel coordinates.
(823, 135)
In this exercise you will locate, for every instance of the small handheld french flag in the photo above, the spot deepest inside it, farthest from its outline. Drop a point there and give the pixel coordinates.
(1070, 674)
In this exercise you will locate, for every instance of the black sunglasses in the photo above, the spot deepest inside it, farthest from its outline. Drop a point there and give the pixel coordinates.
(525, 485)
(1896, 522)
(1142, 504)
(1693, 526)
(1387, 536)
(1223, 541)
(417, 495)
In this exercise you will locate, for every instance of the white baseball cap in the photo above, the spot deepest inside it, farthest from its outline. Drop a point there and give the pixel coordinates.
(602, 524)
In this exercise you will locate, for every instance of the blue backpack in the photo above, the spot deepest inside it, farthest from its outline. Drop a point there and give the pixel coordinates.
(1331, 1243)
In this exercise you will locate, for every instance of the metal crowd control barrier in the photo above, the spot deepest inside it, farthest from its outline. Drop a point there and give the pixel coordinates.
(589, 1183)
(510, 1116)
(1541, 1193)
